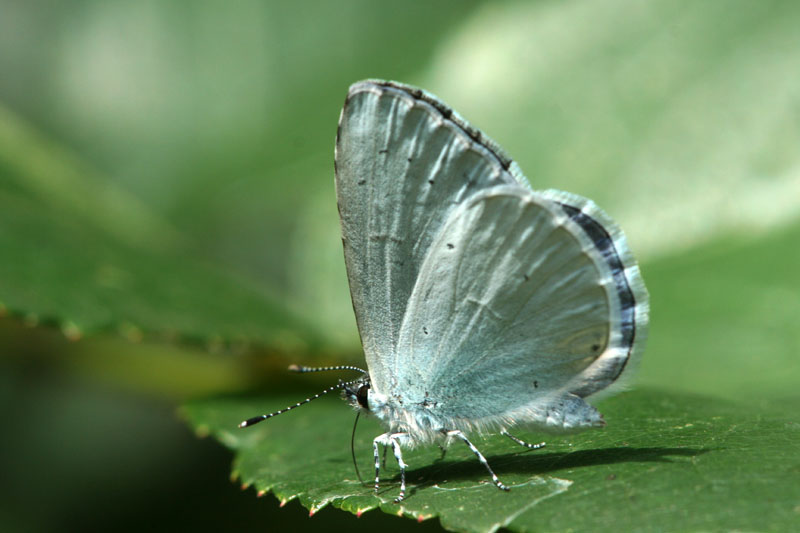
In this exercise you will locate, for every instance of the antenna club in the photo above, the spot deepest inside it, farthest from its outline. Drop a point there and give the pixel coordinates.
(255, 420)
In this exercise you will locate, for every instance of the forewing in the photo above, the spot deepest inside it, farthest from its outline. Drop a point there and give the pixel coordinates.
(514, 305)
(404, 161)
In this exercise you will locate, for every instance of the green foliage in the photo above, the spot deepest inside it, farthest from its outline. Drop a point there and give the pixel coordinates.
(724, 318)
(87, 257)
(668, 461)
(166, 172)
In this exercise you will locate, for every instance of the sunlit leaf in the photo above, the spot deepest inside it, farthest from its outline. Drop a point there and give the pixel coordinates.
(671, 461)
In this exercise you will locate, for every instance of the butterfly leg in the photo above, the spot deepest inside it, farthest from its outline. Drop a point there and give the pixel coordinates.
(378, 440)
(444, 452)
(522, 442)
(393, 440)
(479, 455)
(399, 456)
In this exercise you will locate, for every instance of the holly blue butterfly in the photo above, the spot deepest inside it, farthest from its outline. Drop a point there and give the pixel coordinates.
(482, 304)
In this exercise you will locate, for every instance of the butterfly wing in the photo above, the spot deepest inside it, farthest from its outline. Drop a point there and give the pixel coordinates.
(524, 299)
(404, 161)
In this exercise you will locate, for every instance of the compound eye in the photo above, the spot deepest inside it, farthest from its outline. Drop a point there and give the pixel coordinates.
(361, 396)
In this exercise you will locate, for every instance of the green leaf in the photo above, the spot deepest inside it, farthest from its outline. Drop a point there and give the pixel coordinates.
(724, 317)
(84, 255)
(671, 461)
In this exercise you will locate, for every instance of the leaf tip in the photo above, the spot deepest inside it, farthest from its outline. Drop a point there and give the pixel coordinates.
(71, 331)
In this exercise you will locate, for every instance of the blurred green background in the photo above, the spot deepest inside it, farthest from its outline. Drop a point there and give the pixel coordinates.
(168, 227)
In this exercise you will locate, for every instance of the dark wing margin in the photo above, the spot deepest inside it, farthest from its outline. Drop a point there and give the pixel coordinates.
(633, 300)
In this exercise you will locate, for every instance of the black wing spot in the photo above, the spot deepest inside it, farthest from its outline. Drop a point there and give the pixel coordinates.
(527, 277)
(384, 151)
(424, 330)
(450, 246)
(362, 182)
(430, 181)
(595, 347)
(535, 384)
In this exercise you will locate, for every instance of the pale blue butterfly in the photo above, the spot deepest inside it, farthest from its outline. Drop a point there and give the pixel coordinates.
(482, 304)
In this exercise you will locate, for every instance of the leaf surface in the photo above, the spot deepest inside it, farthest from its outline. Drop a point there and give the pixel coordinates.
(80, 253)
(666, 461)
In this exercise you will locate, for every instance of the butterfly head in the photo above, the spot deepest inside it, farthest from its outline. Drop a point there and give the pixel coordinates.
(357, 393)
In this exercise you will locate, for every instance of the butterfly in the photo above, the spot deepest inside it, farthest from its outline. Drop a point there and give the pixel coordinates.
(482, 304)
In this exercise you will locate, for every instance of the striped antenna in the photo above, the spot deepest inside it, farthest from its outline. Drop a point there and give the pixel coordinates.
(305, 369)
(256, 419)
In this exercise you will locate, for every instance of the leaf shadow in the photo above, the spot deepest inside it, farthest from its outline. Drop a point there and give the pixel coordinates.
(536, 463)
